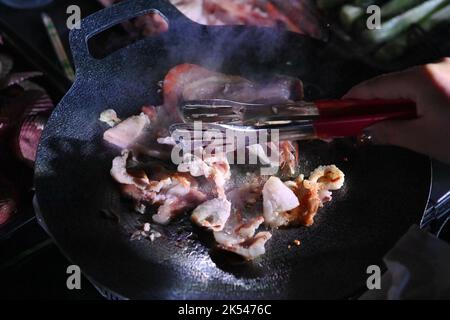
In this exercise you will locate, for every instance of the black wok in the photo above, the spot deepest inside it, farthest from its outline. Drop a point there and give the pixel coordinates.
(386, 188)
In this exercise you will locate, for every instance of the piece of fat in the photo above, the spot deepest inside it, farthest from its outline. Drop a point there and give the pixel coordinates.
(109, 116)
(277, 199)
(212, 214)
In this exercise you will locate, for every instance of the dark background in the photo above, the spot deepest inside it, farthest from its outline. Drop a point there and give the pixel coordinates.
(31, 266)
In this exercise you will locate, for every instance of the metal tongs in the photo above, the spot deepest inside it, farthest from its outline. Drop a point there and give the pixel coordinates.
(298, 120)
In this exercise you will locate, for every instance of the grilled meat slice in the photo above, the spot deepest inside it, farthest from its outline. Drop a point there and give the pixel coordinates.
(174, 193)
(238, 236)
(314, 192)
(212, 214)
(186, 82)
(213, 167)
(277, 200)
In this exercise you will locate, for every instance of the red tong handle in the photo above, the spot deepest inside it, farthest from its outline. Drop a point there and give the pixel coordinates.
(349, 117)
(360, 107)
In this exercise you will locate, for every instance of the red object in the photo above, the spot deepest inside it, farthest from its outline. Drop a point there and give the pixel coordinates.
(359, 107)
(352, 126)
(150, 111)
(7, 209)
(349, 117)
(28, 137)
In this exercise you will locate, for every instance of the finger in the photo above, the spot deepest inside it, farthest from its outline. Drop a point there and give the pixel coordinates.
(398, 85)
(402, 133)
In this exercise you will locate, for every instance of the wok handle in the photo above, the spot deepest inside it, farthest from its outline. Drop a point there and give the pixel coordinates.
(110, 16)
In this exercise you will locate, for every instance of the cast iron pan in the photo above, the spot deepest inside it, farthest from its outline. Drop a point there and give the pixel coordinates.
(386, 188)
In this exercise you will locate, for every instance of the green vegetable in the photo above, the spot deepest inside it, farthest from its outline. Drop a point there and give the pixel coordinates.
(397, 25)
(395, 7)
(360, 24)
(400, 45)
(349, 14)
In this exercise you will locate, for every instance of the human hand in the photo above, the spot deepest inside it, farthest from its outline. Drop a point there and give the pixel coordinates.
(429, 87)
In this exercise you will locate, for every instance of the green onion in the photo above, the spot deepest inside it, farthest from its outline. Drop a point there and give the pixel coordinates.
(399, 45)
(395, 7)
(397, 25)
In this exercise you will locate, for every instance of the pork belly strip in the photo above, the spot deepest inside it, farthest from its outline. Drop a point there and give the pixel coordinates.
(191, 82)
(277, 199)
(212, 214)
(314, 192)
(139, 133)
(239, 236)
(175, 193)
(215, 168)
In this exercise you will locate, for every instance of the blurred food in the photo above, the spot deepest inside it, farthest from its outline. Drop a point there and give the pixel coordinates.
(295, 15)
(400, 45)
(8, 200)
(24, 109)
(6, 65)
(405, 24)
(28, 137)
